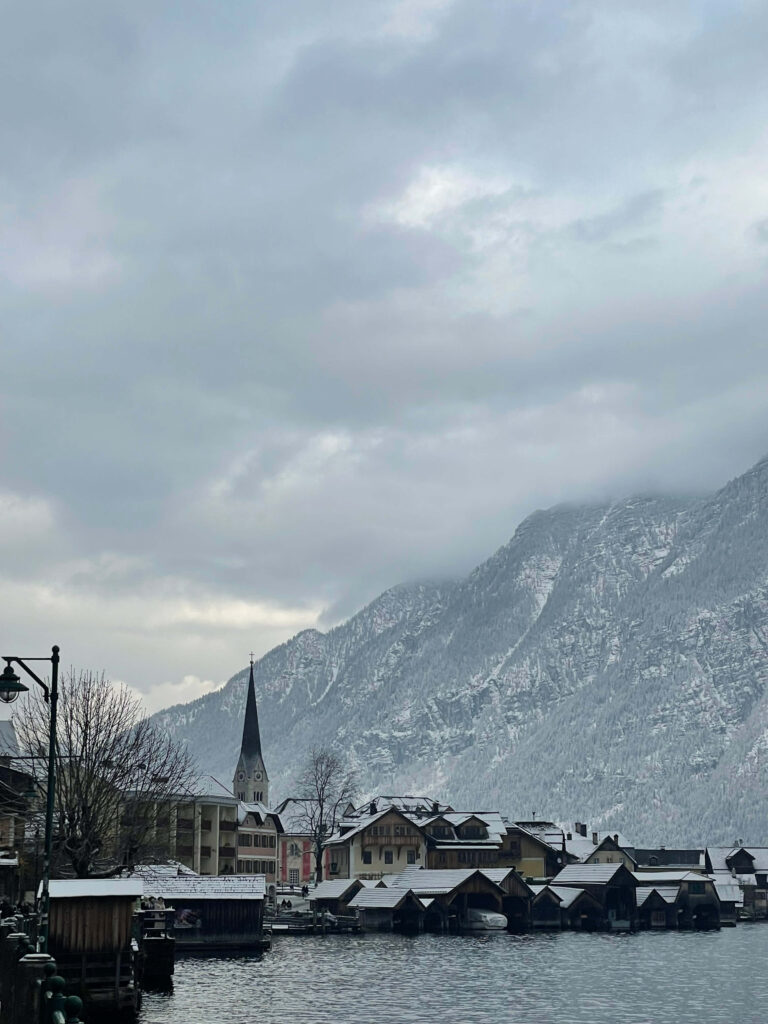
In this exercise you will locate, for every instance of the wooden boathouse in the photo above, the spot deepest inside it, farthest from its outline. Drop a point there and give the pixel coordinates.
(90, 937)
(210, 911)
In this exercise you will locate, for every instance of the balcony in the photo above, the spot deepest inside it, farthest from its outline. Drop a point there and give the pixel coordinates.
(185, 851)
(205, 851)
(369, 840)
(227, 826)
(205, 824)
(185, 824)
(227, 851)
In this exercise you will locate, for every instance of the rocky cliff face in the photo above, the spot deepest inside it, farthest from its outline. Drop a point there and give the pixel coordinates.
(608, 664)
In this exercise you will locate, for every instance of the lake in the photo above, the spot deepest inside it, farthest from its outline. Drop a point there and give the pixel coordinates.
(562, 978)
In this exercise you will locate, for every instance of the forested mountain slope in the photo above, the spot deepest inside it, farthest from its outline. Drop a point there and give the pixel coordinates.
(608, 664)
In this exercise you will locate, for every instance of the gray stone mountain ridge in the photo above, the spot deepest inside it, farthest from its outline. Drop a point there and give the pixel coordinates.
(608, 664)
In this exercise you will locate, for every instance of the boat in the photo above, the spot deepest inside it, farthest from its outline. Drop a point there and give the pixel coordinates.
(485, 920)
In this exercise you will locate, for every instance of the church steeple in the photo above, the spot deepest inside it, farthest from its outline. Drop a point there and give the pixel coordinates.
(251, 783)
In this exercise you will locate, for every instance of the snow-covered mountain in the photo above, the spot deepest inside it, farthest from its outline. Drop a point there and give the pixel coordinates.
(608, 664)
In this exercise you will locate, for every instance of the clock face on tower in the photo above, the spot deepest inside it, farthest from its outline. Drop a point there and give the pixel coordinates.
(240, 776)
(257, 776)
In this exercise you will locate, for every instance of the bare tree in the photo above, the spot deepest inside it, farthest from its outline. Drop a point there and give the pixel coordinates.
(325, 788)
(114, 770)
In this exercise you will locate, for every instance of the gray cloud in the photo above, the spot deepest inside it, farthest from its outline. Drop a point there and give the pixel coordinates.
(301, 302)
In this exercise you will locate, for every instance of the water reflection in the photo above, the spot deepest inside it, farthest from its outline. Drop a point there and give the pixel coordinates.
(562, 978)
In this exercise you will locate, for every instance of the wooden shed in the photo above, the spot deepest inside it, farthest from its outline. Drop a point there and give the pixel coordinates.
(387, 910)
(90, 938)
(212, 910)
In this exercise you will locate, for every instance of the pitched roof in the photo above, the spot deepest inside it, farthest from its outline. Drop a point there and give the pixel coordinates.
(75, 888)
(381, 899)
(176, 888)
(568, 894)
(668, 893)
(333, 889)
(657, 878)
(578, 874)
(729, 892)
(203, 786)
(432, 881)
(720, 855)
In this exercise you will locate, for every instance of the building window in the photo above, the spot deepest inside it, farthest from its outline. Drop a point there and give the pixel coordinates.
(293, 876)
(410, 856)
(388, 857)
(696, 888)
(241, 796)
(294, 850)
(244, 840)
(367, 857)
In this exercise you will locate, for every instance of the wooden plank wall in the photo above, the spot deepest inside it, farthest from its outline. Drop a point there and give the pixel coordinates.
(92, 924)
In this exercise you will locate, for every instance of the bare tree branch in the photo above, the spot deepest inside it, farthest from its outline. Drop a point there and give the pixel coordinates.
(325, 787)
(113, 770)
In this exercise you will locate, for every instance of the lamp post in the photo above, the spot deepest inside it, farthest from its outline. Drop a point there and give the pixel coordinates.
(10, 688)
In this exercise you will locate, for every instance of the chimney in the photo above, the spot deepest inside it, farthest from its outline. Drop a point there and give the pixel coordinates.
(577, 828)
(583, 830)
(568, 835)
(594, 838)
(372, 807)
(616, 839)
(435, 808)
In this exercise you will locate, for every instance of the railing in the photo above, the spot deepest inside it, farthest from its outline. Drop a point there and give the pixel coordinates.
(227, 826)
(205, 851)
(227, 851)
(369, 840)
(185, 823)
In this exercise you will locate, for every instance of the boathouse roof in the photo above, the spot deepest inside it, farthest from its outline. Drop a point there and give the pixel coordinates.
(333, 889)
(79, 888)
(668, 893)
(657, 878)
(204, 887)
(383, 899)
(590, 874)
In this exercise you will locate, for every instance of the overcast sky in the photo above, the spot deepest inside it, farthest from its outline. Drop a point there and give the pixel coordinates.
(303, 300)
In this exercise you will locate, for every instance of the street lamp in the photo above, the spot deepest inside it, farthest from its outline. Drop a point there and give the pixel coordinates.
(10, 688)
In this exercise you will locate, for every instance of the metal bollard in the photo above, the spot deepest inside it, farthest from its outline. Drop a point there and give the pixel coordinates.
(73, 1007)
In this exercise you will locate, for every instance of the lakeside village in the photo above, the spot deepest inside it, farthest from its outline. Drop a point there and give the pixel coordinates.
(236, 872)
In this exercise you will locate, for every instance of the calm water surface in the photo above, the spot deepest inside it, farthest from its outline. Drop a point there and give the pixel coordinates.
(563, 978)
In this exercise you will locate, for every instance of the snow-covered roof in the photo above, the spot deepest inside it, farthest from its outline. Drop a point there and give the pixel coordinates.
(720, 855)
(657, 878)
(382, 898)
(728, 892)
(207, 787)
(576, 874)
(431, 881)
(332, 889)
(567, 894)
(358, 825)
(175, 888)
(260, 811)
(419, 805)
(9, 745)
(169, 868)
(668, 893)
(76, 888)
